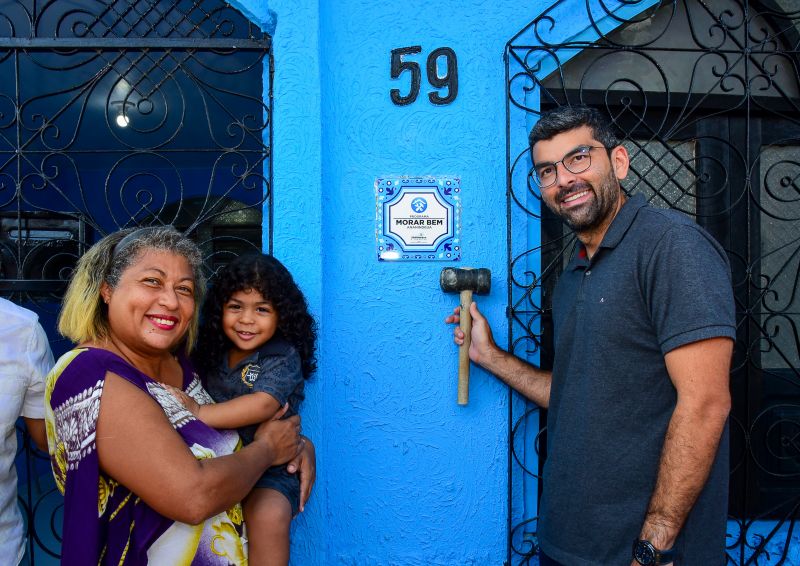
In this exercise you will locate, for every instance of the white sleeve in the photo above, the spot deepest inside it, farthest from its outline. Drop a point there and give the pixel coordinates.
(39, 362)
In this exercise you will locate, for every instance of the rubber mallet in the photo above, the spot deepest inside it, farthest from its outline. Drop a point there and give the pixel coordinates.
(465, 281)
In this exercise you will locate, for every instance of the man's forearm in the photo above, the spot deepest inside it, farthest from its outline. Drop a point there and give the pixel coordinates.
(37, 432)
(528, 380)
(690, 447)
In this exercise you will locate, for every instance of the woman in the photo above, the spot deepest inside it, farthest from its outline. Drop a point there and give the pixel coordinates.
(143, 480)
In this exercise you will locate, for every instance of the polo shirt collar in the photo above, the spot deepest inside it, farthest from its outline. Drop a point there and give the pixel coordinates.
(274, 346)
(623, 221)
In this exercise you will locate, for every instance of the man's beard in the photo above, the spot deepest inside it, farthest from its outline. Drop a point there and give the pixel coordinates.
(597, 211)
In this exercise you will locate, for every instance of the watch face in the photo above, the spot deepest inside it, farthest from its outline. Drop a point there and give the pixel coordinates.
(644, 553)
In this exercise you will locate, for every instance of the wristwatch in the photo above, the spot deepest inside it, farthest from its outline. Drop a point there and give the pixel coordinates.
(648, 555)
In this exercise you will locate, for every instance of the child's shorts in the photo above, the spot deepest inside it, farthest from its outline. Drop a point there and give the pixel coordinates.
(280, 480)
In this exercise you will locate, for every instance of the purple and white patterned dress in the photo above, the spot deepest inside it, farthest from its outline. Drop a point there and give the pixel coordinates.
(104, 522)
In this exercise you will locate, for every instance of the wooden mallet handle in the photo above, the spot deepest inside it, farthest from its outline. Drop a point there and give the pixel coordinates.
(463, 351)
(465, 281)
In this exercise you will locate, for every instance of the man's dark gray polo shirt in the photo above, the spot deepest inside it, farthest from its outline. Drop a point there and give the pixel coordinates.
(658, 281)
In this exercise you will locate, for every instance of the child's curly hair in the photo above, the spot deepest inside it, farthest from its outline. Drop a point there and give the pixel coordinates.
(268, 276)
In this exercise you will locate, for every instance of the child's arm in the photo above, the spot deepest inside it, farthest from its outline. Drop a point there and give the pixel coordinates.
(249, 409)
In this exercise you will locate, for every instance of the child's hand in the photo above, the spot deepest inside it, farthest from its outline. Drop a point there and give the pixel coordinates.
(190, 404)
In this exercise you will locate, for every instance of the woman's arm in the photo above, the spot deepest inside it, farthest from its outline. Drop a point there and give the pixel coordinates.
(138, 447)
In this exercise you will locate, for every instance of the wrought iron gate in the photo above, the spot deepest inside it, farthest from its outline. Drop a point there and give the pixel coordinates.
(122, 113)
(707, 94)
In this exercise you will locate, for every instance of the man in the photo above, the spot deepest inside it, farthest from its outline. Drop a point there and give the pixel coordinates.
(25, 359)
(638, 399)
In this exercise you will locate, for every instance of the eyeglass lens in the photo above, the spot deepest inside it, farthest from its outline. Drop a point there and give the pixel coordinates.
(576, 162)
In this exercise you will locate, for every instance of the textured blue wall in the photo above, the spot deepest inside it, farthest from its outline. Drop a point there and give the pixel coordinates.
(406, 476)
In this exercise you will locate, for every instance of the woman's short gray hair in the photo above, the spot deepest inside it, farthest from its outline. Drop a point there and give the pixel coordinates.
(162, 238)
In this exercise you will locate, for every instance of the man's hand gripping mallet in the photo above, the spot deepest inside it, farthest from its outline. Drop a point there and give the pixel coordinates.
(465, 281)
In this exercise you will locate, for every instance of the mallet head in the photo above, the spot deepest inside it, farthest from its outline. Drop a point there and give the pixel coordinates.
(457, 279)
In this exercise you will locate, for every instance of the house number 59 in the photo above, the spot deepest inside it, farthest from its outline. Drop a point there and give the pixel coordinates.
(448, 80)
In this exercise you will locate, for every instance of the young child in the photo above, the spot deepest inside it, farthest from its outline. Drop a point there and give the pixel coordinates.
(256, 347)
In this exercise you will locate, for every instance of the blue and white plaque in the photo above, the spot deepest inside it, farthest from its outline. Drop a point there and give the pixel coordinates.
(418, 218)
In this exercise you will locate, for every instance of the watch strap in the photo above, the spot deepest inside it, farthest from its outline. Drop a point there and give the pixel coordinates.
(665, 556)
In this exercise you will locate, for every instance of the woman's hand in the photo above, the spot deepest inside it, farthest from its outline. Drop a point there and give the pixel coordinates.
(305, 464)
(283, 436)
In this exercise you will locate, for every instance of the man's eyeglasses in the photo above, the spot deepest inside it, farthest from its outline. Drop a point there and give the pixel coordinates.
(576, 161)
